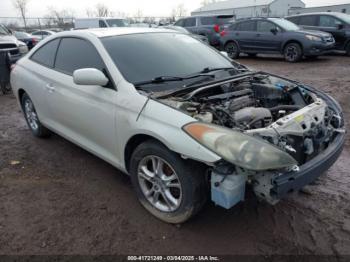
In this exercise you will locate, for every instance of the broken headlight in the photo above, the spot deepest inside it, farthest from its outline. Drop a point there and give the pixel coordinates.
(240, 149)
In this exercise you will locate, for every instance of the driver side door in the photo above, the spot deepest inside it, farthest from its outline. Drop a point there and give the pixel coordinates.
(265, 39)
(84, 114)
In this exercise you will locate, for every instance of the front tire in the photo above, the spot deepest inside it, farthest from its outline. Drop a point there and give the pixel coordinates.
(170, 188)
(32, 118)
(293, 53)
(232, 50)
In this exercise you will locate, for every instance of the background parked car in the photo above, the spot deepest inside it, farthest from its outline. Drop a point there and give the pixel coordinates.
(209, 26)
(185, 31)
(26, 38)
(274, 35)
(337, 24)
(42, 34)
(99, 22)
(11, 44)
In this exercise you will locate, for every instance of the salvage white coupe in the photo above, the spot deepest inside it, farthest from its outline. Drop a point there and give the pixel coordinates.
(183, 120)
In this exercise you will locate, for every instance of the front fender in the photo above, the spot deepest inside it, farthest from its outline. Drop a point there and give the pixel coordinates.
(165, 124)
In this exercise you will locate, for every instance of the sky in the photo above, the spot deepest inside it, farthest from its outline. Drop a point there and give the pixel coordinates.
(38, 8)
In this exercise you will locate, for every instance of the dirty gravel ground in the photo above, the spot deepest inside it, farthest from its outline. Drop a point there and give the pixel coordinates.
(62, 200)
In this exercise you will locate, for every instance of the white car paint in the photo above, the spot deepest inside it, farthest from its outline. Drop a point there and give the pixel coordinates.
(98, 119)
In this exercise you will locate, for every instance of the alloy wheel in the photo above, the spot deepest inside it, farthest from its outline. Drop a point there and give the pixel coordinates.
(159, 183)
(232, 50)
(31, 115)
(291, 53)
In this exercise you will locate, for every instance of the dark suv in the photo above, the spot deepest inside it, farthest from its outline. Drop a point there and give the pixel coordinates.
(273, 35)
(209, 26)
(337, 24)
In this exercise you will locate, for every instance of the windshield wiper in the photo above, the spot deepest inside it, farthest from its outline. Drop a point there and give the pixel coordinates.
(164, 79)
(212, 69)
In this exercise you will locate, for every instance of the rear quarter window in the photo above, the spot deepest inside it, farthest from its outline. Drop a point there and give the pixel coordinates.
(208, 20)
(190, 22)
(246, 26)
(310, 20)
(45, 55)
(294, 20)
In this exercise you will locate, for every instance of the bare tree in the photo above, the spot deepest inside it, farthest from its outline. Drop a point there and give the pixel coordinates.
(90, 12)
(103, 10)
(21, 6)
(207, 2)
(60, 16)
(179, 11)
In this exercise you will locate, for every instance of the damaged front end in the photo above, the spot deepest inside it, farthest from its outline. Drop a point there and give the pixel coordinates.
(272, 133)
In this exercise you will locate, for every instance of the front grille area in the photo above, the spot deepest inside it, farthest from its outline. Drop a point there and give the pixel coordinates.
(11, 48)
(14, 51)
(328, 39)
(6, 46)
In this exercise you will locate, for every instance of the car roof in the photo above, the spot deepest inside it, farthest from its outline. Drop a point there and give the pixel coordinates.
(316, 13)
(107, 32)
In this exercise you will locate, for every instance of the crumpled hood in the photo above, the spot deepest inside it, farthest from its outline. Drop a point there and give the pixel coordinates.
(314, 33)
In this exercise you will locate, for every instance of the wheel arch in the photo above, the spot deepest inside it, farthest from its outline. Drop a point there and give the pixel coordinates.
(232, 41)
(293, 41)
(20, 93)
(133, 143)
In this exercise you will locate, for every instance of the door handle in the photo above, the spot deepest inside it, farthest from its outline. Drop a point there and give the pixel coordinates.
(258, 34)
(50, 88)
(237, 33)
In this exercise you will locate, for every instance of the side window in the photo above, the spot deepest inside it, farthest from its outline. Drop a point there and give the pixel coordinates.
(310, 20)
(74, 53)
(180, 23)
(102, 24)
(45, 55)
(329, 21)
(207, 21)
(294, 20)
(190, 22)
(265, 26)
(246, 26)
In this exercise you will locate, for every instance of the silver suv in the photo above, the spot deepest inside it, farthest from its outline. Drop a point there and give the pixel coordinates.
(11, 44)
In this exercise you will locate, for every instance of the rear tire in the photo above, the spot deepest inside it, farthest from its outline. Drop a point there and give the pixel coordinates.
(170, 188)
(32, 118)
(232, 49)
(293, 53)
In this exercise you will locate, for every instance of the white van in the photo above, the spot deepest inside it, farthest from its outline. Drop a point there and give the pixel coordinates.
(100, 22)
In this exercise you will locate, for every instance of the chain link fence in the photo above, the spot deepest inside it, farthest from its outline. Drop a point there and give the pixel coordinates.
(67, 23)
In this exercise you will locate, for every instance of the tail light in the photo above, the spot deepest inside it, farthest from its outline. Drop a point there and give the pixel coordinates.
(223, 33)
(217, 28)
(12, 66)
(34, 41)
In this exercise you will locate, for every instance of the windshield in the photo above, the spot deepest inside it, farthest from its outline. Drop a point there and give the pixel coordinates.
(142, 57)
(3, 30)
(21, 35)
(116, 23)
(285, 24)
(344, 17)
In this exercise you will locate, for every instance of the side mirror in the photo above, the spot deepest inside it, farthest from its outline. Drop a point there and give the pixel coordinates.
(340, 26)
(224, 54)
(274, 31)
(90, 77)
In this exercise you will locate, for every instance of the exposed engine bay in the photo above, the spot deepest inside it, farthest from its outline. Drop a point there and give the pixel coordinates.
(276, 110)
